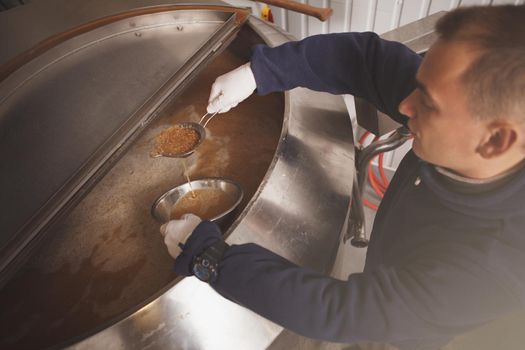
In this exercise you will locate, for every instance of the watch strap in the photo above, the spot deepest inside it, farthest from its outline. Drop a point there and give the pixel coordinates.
(216, 251)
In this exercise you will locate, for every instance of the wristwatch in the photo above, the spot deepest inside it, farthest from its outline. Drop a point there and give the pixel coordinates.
(206, 266)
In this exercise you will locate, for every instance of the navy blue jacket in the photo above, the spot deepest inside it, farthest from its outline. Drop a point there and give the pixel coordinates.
(439, 262)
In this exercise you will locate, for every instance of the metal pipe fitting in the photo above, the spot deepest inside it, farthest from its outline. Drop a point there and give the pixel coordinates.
(356, 221)
(398, 137)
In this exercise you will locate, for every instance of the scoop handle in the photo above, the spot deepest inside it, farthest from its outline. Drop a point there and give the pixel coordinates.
(206, 121)
(321, 13)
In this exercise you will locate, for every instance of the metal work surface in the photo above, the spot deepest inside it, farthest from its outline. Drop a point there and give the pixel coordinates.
(120, 67)
(105, 271)
(298, 211)
(51, 17)
(107, 257)
(418, 35)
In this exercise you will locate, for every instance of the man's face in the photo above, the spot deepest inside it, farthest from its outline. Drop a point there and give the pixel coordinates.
(445, 131)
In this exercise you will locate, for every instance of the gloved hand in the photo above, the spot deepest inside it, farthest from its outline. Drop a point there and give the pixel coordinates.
(204, 235)
(231, 88)
(178, 231)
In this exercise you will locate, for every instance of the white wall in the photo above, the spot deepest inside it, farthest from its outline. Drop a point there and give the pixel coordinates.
(362, 15)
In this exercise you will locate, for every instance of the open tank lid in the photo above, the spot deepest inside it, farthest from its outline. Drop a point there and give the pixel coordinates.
(70, 105)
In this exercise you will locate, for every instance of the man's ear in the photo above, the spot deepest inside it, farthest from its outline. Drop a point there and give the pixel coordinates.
(499, 139)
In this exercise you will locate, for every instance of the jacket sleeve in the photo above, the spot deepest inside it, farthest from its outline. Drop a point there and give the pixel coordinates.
(362, 64)
(427, 298)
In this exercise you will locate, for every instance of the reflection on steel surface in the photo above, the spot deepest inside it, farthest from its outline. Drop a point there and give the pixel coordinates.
(67, 114)
(297, 198)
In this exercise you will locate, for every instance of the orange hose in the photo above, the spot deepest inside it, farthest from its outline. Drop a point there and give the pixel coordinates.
(373, 182)
(378, 184)
(379, 181)
(363, 137)
(382, 171)
(369, 204)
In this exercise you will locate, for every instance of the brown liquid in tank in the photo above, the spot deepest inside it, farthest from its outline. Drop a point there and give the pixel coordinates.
(176, 140)
(99, 264)
(206, 203)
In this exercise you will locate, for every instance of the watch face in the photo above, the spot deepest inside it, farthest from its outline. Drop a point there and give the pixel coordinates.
(203, 270)
(206, 266)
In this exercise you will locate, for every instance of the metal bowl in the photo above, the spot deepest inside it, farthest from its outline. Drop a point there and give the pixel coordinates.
(163, 206)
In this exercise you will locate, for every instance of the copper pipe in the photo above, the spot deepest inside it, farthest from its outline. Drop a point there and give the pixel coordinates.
(321, 13)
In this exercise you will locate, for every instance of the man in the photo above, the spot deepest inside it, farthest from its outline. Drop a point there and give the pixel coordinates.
(447, 250)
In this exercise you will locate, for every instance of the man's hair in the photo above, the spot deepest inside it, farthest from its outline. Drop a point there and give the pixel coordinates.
(495, 81)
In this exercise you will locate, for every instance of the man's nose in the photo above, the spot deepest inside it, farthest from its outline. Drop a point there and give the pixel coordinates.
(406, 107)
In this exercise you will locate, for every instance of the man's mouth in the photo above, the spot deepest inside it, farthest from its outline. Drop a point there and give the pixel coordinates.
(413, 131)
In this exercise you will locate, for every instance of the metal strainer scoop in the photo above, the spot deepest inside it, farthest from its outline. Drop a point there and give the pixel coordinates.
(182, 139)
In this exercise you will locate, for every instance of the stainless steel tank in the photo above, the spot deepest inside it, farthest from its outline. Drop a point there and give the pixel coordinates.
(83, 95)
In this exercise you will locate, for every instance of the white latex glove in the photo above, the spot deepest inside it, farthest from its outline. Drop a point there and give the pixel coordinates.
(231, 88)
(178, 231)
